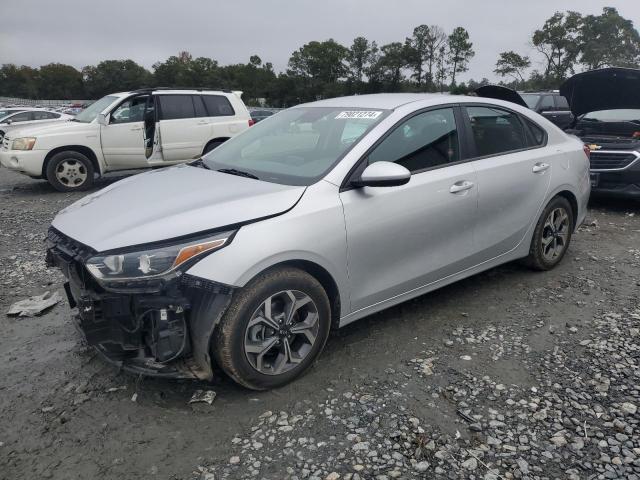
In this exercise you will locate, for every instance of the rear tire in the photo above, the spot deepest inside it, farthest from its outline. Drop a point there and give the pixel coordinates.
(274, 329)
(70, 171)
(552, 235)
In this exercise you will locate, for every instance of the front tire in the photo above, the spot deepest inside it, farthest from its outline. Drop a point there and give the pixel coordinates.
(552, 235)
(70, 171)
(274, 329)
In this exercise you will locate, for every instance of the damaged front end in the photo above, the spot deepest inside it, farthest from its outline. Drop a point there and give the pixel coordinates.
(157, 326)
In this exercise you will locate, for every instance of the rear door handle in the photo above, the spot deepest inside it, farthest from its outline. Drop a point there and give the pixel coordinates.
(461, 186)
(540, 167)
(136, 129)
(203, 122)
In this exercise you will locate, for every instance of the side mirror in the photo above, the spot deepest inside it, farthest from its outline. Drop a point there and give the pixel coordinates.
(383, 174)
(102, 119)
(9, 122)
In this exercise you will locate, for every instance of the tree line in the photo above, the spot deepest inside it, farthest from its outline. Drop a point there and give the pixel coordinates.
(429, 60)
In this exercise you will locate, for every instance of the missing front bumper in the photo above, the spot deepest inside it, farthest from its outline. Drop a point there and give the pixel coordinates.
(161, 329)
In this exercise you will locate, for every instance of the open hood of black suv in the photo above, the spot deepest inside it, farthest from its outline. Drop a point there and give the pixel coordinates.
(499, 92)
(603, 89)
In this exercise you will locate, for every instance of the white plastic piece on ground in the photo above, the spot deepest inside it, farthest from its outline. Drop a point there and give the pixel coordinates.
(35, 305)
(203, 396)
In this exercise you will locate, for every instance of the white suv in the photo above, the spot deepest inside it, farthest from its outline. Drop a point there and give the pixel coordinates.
(129, 130)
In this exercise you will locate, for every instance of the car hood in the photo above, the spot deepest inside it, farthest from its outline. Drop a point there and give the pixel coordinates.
(170, 203)
(603, 89)
(498, 92)
(50, 129)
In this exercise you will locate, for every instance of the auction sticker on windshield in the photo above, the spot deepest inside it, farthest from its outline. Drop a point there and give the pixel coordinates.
(359, 114)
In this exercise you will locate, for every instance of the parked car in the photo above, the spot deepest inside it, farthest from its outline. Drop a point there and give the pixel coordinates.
(259, 115)
(551, 105)
(14, 119)
(325, 214)
(129, 130)
(606, 104)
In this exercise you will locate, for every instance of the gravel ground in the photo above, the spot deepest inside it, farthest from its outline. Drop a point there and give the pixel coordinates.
(508, 374)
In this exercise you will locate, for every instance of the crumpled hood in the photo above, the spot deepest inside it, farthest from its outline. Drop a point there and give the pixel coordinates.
(53, 128)
(499, 92)
(170, 203)
(603, 89)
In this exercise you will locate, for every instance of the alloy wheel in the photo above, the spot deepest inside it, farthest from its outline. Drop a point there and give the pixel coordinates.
(555, 234)
(71, 173)
(281, 332)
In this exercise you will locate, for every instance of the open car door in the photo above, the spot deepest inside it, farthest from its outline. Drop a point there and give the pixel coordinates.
(151, 133)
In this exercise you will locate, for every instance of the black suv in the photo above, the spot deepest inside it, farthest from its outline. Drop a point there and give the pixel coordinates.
(551, 105)
(606, 105)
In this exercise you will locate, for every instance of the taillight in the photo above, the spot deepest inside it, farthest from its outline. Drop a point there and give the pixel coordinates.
(635, 135)
(252, 122)
(587, 151)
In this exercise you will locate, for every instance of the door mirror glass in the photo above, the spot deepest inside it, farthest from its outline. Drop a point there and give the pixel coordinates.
(383, 174)
(102, 119)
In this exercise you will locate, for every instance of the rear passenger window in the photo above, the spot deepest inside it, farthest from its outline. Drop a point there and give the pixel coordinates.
(547, 103)
(496, 131)
(426, 140)
(199, 106)
(538, 134)
(562, 103)
(22, 117)
(218, 105)
(173, 107)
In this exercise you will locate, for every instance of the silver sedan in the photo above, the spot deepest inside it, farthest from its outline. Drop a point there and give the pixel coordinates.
(314, 218)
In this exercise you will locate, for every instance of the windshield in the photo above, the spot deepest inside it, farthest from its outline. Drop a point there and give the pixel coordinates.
(530, 99)
(90, 113)
(6, 113)
(296, 146)
(620, 115)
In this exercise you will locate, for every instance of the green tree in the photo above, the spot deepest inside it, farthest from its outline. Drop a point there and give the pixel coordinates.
(359, 58)
(422, 52)
(609, 40)
(391, 63)
(59, 82)
(318, 67)
(460, 52)
(114, 76)
(512, 64)
(416, 52)
(442, 69)
(558, 41)
(18, 81)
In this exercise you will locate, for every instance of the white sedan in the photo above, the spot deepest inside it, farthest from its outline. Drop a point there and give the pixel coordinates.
(14, 118)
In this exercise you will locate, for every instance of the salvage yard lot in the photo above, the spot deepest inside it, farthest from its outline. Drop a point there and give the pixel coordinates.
(507, 374)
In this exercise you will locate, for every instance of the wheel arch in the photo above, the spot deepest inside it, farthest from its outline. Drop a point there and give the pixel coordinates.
(323, 276)
(84, 150)
(217, 139)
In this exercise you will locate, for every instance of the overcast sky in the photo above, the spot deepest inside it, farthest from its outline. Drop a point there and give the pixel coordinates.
(83, 32)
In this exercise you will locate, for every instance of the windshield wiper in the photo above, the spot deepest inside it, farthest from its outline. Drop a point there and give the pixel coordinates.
(239, 173)
(199, 163)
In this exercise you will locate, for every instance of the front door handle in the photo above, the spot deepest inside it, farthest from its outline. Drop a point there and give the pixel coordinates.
(136, 129)
(461, 186)
(540, 167)
(203, 122)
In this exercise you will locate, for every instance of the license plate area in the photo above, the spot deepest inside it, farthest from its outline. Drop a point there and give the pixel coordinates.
(595, 179)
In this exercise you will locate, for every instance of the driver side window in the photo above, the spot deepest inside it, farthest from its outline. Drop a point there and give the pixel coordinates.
(132, 110)
(426, 140)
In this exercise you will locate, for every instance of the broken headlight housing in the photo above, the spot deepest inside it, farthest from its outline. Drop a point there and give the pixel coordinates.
(153, 262)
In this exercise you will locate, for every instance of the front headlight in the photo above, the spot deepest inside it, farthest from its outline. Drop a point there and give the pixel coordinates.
(24, 143)
(152, 263)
